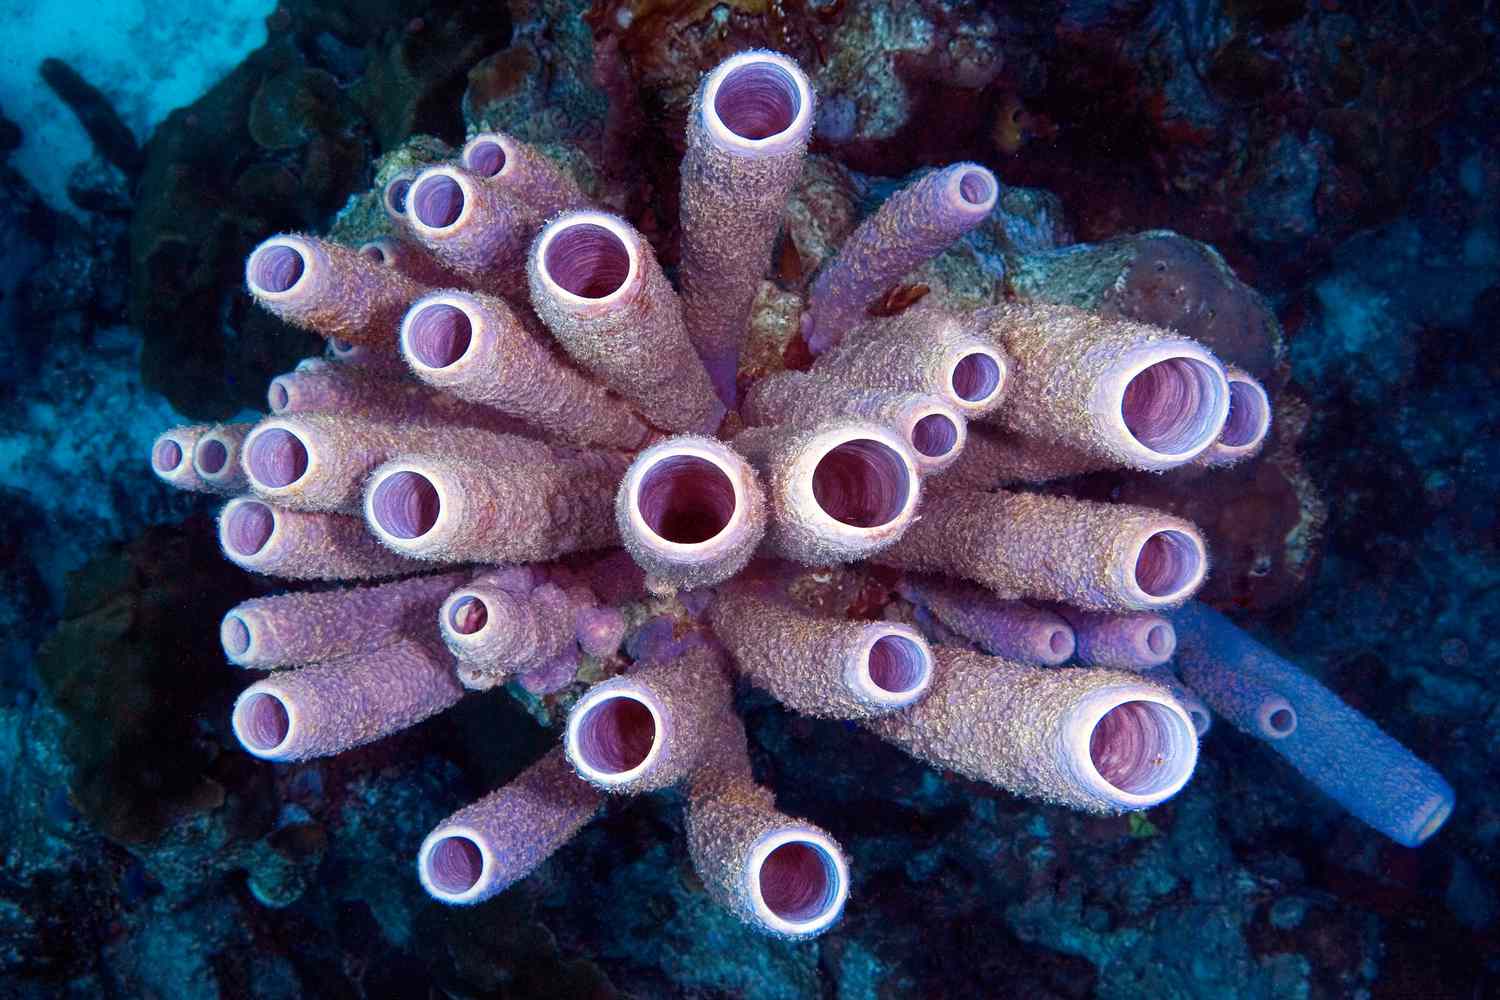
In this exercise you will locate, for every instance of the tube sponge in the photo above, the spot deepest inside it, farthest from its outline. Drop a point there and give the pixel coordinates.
(486, 847)
(1009, 628)
(650, 728)
(319, 461)
(1246, 427)
(329, 289)
(1097, 740)
(301, 545)
(450, 508)
(596, 284)
(1335, 747)
(537, 186)
(781, 875)
(471, 227)
(836, 492)
(1121, 641)
(828, 667)
(495, 631)
(992, 459)
(912, 226)
(1102, 557)
(747, 134)
(690, 511)
(477, 348)
(1127, 393)
(934, 428)
(925, 349)
(216, 457)
(309, 627)
(357, 699)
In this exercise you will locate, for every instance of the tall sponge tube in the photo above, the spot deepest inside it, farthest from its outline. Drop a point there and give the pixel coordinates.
(1098, 740)
(746, 137)
(488, 846)
(1335, 747)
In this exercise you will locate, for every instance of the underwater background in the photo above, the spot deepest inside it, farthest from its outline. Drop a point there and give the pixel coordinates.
(1343, 157)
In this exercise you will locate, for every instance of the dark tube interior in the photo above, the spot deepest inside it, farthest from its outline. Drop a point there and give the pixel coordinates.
(486, 158)
(375, 252)
(167, 455)
(934, 435)
(1135, 746)
(758, 100)
(976, 377)
(212, 455)
(454, 865)
(235, 635)
(439, 334)
(897, 664)
(468, 615)
(615, 735)
(862, 483)
(1169, 406)
(1283, 720)
(250, 526)
(264, 722)
(976, 186)
(588, 260)
(395, 194)
(1168, 562)
(1159, 639)
(1247, 415)
(437, 201)
(406, 505)
(799, 881)
(686, 499)
(1061, 642)
(276, 457)
(276, 268)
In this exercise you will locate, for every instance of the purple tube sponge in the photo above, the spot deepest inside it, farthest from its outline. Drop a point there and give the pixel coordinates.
(649, 728)
(1097, 740)
(828, 667)
(1103, 557)
(479, 349)
(348, 702)
(471, 227)
(301, 545)
(536, 184)
(329, 289)
(495, 631)
(781, 875)
(911, 227)
(836, 492)
(1002, 627)
(934, 428)
(1121, 641)
(925, 349)
(484, 848)
(690, 512)
(451, 508)
(596, 284)
(291, 629)
(747, 134)
(1335, 747)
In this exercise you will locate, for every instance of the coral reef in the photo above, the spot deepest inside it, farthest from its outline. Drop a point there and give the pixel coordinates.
(1340, 158)
(579, 292)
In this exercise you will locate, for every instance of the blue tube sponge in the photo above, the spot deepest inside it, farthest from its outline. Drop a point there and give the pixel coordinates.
(1335, 747)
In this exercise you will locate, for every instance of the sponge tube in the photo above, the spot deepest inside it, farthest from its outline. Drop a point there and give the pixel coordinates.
(1335, 747)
